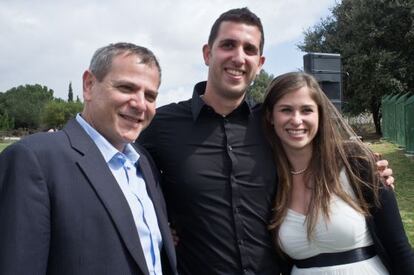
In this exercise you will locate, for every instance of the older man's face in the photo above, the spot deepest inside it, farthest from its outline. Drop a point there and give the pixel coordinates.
(123, 103)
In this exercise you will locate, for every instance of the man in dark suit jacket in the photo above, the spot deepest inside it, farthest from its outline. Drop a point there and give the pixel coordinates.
(84, 200)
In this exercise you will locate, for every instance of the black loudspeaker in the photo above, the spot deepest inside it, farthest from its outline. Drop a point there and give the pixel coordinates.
(326, 68)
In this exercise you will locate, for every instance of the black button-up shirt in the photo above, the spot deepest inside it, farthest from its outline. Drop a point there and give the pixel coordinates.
(219, 181)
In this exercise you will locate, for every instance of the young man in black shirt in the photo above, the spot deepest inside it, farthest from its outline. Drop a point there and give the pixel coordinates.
(218, 175)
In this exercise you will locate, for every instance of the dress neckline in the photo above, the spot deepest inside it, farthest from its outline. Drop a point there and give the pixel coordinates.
(296, 213)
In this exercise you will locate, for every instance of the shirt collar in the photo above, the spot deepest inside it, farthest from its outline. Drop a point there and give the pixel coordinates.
(105, 147)
(197, 103)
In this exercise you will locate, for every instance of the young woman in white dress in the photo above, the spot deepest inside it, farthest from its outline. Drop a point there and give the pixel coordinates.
(332, 214)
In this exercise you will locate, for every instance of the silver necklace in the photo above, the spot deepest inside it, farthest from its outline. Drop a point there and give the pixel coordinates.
(293, 172)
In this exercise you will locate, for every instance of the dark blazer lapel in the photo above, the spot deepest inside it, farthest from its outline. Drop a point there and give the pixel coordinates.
(159, 205)
(100, 177)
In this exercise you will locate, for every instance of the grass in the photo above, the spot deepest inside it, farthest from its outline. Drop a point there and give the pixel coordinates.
(3, 145)
(403, 172)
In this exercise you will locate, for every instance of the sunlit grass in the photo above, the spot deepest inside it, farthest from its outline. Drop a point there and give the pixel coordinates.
(403, 172)
(3, 145)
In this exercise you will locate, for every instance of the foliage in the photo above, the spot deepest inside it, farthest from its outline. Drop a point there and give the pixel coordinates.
(25, 103)
(57, 112)
(375, 41)
(70, 93)
(6, 122)
(256, 92)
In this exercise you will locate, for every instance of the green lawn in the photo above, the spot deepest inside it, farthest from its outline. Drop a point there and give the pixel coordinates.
(3, 145)
(403, 172)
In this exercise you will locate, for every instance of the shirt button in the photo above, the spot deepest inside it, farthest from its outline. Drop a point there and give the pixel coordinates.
(240, 242)
(236, 210)
(230, 148)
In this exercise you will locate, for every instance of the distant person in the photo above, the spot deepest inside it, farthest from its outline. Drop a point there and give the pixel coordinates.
(84, 200)
(332, 214)
(218, 175)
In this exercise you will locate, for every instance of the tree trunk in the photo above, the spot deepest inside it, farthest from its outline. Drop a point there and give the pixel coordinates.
(376, 114)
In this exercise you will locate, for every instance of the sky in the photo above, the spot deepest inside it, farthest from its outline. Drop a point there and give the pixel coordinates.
(51, 42)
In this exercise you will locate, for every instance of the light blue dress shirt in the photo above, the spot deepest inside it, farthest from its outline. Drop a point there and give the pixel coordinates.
(129, 178)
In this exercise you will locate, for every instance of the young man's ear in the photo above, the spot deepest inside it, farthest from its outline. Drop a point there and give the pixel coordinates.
(206, 54)
(261, 62)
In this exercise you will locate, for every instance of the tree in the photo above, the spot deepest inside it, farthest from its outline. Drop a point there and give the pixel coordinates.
(70, 93)
(6, 122)
(256, 91)
(375, 41)
(57, 112)
(24, 104)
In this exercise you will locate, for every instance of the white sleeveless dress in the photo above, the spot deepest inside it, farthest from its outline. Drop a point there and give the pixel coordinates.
(346, 230)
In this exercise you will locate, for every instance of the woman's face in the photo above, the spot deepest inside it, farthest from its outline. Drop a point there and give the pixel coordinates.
(295, 119)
